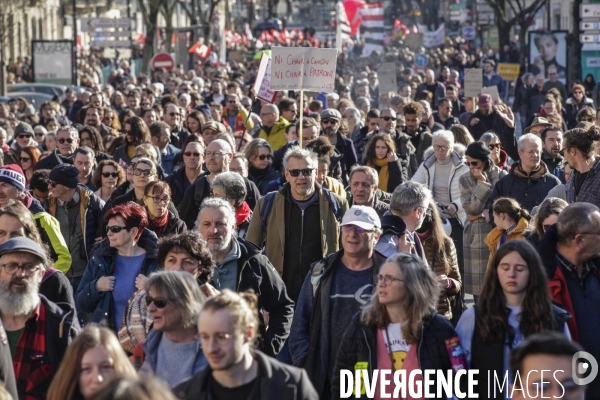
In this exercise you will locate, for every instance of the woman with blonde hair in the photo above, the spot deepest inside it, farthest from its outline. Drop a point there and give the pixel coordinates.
(93, 358)
(400, 329)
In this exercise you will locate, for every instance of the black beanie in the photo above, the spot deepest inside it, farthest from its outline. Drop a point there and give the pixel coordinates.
(478, 151)
(64, 174)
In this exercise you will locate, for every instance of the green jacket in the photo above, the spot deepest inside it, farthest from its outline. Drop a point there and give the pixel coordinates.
(277, 137)
(275, 230)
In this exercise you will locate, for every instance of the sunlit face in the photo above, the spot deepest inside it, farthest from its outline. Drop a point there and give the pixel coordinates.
(92, 117)
(123, 238)
(10, 227)
(7, 192)
(387, 121)
(84, 163)
(150, 117)
(549, 107)
(549, 221)
(215, 228)
(238, 166)
(193, 125)
(553, 143)
(262, 159)
(218, 156)
(155, 209)
(25, 161)
(223, 345)
(373, 124)
(395, 292)
(381, 149)
(412, 123)
(513, 274)
(64, 147)
(308, 134)
(97, 367)
(530, 155)
(179, 259)
(195, 156)
(140, 181)
(442, 149)
(362, 188)
(301, 185)
(167, 319)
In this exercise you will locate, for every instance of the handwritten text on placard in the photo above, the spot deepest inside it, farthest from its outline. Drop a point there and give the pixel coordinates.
(295, 68)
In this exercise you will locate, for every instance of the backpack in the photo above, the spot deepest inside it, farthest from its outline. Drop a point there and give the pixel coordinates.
(268, 203)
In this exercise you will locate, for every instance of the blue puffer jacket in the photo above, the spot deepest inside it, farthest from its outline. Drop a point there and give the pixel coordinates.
(102, 263)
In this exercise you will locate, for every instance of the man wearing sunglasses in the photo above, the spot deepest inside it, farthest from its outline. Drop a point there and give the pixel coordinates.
(160, 136)
(23, 137)
(78, 211)
(67, 139)
(178, 132)
(337, 286)
(443, 115)
(406, 152)
(273, 126)
(336, 130)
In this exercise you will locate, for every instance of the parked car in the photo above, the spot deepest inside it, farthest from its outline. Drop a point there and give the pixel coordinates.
(35, 99)
(44, 88)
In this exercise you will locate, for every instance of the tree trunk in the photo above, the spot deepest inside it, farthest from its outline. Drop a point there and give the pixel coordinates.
(504, 29)
(150, 44)
(523, 44)
(574, 47)
(169, 33)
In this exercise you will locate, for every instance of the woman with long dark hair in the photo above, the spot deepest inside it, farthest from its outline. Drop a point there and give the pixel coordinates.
(136, 133)
(399, 329)
(547, 215)
(107, 177)
(515, 302)
(380, 154)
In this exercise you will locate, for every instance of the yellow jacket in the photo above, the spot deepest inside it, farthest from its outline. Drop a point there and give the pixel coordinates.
(277, 136)
(493, 238)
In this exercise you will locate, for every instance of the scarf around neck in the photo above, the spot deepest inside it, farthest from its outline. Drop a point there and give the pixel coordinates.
(384, 172)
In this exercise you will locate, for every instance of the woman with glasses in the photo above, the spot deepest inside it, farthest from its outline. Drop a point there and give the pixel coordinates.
(172, 348)
(23, 137)
(107, 176)
(547, 215)
(110, 119)
(499, 156)
(399, 329)
(119, 265)
(157, 196)
(586, 114)
(136, 133)
(441, 172)
(30, 155)
(261, 170)
(515, 302)
(575, 103)
(39, 134)
(94, 358)
(476, 187)
(380, 154)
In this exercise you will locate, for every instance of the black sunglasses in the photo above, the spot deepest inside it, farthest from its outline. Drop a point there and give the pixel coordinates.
(388, 118)
(159, 302)
(189, 154)
(305, 172)
(24, 136)
(263, 156)
(52, 183)
(107, 174)
(115, 228)
(25, 159)
(473, 163)
(328, 121)
(63, 140)
(495, 146)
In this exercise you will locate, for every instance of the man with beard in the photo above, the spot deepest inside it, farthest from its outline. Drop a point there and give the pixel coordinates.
(160, 136)
(93, 118)
(552, 138)
(228, 328)
(437, 88)
(499, 119)
(239, 264)
(84, 160)
(458, 107)
(218, 155)
(444, 116)
(178, 132)
(409, 207)
(336, 130)
(68, 140)
(420, 136)
(38, 331)
(364, 191)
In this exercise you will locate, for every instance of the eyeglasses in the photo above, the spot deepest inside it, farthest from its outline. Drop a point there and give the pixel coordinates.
(387, 279)
(262, 157)
(305, 172)
(158, 200)
(388, 118)
(495, 146)
(215, 154)
(428, 210)
(115, 228)
(328, 121)
(172, 114)
(25, 159)
(220, 338)
(588, 119)
(159, 302)
(143, 172)
(357, 229)
(441, 148)
(39, 134)
(108, 174)
(63, 140)
(24, 136)
(12, 268)
(52, 183)
(190, 154)
(473, 163)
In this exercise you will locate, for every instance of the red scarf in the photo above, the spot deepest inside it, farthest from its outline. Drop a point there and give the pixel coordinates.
(158, 225)
(242, 213)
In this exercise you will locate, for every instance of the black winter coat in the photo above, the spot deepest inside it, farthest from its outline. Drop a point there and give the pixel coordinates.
(57, 288)
(359, 344)
(176, 183)
(277, 381)
(261, 178)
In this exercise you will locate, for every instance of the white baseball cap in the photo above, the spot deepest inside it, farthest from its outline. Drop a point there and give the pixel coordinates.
(362, 216)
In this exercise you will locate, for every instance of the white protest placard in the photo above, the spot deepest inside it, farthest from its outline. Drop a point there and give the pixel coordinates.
(492, 91)
(262, 86)
(473, 82)
(303, 68)
(52, 61)
(386, 74)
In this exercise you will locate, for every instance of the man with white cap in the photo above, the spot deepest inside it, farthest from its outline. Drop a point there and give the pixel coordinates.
(335, 289)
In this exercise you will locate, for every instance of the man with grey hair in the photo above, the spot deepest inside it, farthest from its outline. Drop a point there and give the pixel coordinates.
(354, 121)
(331, 100)
(529, 180)
(37, 351)
(287, 221)
(569, 251)
(364, 192)
(218, 156)
(68, 140)
(409, 207)
(437, 88)
(273, 129)
(230, 186)
(333, 291)
(242, 267)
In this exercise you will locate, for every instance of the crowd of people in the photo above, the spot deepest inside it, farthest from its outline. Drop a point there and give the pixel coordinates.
(177, 237)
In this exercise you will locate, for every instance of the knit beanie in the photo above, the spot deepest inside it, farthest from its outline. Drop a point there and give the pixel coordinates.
(64, 174)
(13, 175)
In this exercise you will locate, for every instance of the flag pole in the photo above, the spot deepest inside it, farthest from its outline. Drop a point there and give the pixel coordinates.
(301, 115)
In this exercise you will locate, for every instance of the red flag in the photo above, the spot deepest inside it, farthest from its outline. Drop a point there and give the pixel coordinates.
(201, 50)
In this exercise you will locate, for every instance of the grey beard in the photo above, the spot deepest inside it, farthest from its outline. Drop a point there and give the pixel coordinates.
(330, 131)
(220, 247)
(19, 303)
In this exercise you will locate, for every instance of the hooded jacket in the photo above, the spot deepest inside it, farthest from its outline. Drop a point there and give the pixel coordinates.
(493, 238)
(528, 189)
(276, 137)
(102, 263)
